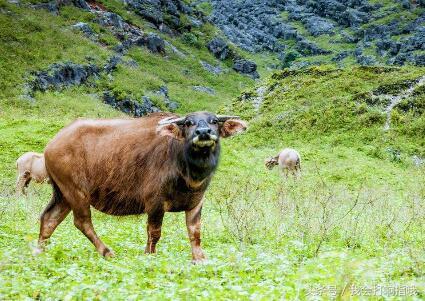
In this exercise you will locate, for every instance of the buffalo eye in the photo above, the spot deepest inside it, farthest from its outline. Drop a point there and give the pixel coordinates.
(214, 121)
(188, 123)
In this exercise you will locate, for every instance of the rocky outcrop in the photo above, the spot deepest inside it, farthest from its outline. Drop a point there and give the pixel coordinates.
(54, 6)
(130, 106)
(167, 15)
(252, 25)
(308, 48)
(219, 48)
(61, 75)
(129, 34)
(246, 67)
(154, 43)
(264, 25)
(112, 63)
(86, 30)
(170, 104)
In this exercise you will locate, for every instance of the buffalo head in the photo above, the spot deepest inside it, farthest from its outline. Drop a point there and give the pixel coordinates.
(201, 130)
(272, 162)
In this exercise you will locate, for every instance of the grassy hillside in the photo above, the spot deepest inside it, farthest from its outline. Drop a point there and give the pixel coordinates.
(356, 218)
(33, 39)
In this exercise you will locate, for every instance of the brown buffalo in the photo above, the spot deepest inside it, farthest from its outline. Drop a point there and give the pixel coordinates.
(156, 164)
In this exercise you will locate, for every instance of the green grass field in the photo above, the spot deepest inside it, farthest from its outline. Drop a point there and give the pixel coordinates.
(353, 226)
(356, 218)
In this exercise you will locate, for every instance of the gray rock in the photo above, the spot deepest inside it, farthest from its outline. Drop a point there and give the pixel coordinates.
(207, 90)
(356, 18)
(53, 6)
(196, 22)
(130, 106)
(246, 67)
(219, 48)
(366, 60)
(170, 104)
(111, 19)
(86, 30)
(252, 25)
(146, 107)
(154, 43)
(61, 75)
(307, 48)
(318, 26)
(160, 12)
(212, 69)
(112, 63)
(418, 161)
(342, 55)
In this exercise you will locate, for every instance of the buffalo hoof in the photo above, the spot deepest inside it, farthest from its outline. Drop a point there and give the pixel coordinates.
(199, 261)
(200, 258)
(108, 254)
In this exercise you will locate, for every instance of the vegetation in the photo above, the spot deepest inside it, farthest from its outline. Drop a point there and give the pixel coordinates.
(355, 219)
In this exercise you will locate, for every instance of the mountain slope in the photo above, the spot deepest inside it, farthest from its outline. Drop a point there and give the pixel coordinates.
(365, 107)
(127, 55)
(316, 32)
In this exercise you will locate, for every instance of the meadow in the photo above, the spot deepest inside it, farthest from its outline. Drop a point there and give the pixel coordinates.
(353, 226)
(355, 220)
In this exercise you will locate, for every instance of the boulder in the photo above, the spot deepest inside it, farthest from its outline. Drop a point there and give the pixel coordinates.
(342, 55)
(111, 64)
(246, 67)
(54, 6)
(130, 106)
(154, 43)
(86, 30)
(219, 48)
(61, 75)
(170, 104)
(366, 60)
(111, 20)
(318, 26)
(307, 48)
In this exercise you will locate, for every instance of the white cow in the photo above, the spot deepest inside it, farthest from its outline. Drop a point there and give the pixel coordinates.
(289, 160)
(30, 167)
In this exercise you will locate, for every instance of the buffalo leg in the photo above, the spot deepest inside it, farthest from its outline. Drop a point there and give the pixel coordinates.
(193, 224)
(52, 216)
(22, 182)
(82, 220)
(154, 231)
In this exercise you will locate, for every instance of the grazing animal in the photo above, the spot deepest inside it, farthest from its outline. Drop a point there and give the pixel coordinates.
(155, 164)
(289, 160)
(30, 167)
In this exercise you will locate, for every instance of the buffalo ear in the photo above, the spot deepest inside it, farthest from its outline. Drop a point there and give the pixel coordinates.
(171, 129)
(232, 126)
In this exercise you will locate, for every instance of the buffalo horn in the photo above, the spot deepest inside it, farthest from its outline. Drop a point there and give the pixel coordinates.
(170, 120)
(223, 118)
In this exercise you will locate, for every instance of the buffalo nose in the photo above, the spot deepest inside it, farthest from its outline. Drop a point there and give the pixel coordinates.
(202, 131)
